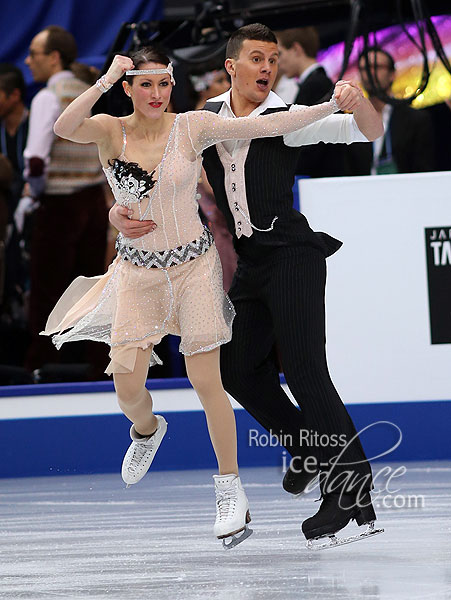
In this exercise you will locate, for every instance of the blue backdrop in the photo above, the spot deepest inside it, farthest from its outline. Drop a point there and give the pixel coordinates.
(94, 23)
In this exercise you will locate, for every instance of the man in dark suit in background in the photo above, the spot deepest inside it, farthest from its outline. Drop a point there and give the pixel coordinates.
(441, 125)
(408, 143)
(298, 51)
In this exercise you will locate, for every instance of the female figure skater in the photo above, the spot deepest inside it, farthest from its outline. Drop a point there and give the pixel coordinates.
(168, 281)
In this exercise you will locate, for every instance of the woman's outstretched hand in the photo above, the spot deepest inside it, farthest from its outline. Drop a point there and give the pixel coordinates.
(348, 95)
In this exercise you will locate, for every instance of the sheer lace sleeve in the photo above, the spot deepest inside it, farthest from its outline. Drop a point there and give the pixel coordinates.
(207, 128)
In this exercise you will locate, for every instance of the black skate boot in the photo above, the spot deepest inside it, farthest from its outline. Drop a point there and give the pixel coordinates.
(336, 511)
(296, 479)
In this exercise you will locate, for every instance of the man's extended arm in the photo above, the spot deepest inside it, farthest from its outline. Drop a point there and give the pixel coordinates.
(364, 125)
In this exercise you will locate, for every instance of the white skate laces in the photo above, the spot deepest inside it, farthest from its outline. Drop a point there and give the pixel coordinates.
(141, 453)
(232, 510)
(225, 503)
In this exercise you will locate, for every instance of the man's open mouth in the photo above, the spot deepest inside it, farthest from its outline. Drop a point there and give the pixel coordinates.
(263, 84)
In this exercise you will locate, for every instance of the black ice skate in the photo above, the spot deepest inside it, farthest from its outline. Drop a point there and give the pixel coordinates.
(335, 512)
(295, 482)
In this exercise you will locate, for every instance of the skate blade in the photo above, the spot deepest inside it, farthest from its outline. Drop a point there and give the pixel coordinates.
(236, 538)
(333, 541)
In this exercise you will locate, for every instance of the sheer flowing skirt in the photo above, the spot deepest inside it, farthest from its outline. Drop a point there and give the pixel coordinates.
(131, 307)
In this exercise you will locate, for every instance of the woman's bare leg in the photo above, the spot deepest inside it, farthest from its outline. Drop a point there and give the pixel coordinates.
(205, 377)
(134, 399)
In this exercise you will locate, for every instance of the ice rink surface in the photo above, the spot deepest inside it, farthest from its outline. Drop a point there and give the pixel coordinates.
(89, 537)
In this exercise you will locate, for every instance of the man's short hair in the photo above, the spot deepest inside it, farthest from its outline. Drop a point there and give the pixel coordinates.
(378, 50)
(11, 78)
(62, 41)
(307, 37)
(255, 31)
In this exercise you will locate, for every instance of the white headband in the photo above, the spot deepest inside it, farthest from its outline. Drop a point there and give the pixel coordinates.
(169, 70)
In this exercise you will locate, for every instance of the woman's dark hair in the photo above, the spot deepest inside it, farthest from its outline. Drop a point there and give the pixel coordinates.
(254, 31)
(146, 55)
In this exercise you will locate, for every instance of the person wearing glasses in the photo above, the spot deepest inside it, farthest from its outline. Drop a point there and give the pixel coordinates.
(66, 185)
(407, 145)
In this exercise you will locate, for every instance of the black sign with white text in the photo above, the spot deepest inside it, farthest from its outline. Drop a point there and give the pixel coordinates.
(438, 257)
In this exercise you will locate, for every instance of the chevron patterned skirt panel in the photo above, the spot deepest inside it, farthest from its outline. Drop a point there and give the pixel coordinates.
(165, 258)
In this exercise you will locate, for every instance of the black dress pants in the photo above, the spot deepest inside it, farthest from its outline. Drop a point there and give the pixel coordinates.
(280, 298)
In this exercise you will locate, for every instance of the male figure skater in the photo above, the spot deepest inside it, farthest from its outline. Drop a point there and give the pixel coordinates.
(278, 289)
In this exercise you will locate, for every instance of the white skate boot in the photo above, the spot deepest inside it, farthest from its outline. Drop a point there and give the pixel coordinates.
(232, 510)
(141, 453)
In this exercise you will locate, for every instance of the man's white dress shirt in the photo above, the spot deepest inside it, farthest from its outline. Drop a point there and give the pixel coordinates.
(336, 128)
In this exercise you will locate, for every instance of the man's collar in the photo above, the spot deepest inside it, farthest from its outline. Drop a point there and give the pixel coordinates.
(271, 101)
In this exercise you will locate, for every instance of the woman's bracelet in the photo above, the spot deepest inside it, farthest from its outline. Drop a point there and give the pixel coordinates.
(103, 84)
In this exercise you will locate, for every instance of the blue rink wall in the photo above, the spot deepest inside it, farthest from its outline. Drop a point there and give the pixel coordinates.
(78, 428)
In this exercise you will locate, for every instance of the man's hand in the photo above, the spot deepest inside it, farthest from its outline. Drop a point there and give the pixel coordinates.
(348, 95)
(120, 218)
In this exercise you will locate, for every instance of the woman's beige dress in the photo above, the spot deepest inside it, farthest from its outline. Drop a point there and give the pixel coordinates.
(130, 306)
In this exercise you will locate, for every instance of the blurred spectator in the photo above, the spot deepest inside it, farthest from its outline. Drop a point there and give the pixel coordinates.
(408, 143)
(66, 180)
(298, 51)
(441, 122)
(13, 137)
(208, 81)
(85, 73)
(6, 176)
(285, 87)
(12, 337)
(13, 126)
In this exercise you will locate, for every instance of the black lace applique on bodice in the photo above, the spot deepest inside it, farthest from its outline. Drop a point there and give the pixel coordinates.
(131, 178)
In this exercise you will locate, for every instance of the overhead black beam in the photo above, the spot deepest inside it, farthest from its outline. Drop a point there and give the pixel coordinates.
(331, 17)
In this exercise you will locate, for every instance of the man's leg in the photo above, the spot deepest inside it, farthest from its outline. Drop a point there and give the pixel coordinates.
(249, 371)
(295, 294)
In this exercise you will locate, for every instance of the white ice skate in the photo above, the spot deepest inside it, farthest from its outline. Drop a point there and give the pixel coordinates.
(232, 511)
(141, 453)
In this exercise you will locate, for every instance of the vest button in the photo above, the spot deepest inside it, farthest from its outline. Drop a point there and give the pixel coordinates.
(233, 167)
